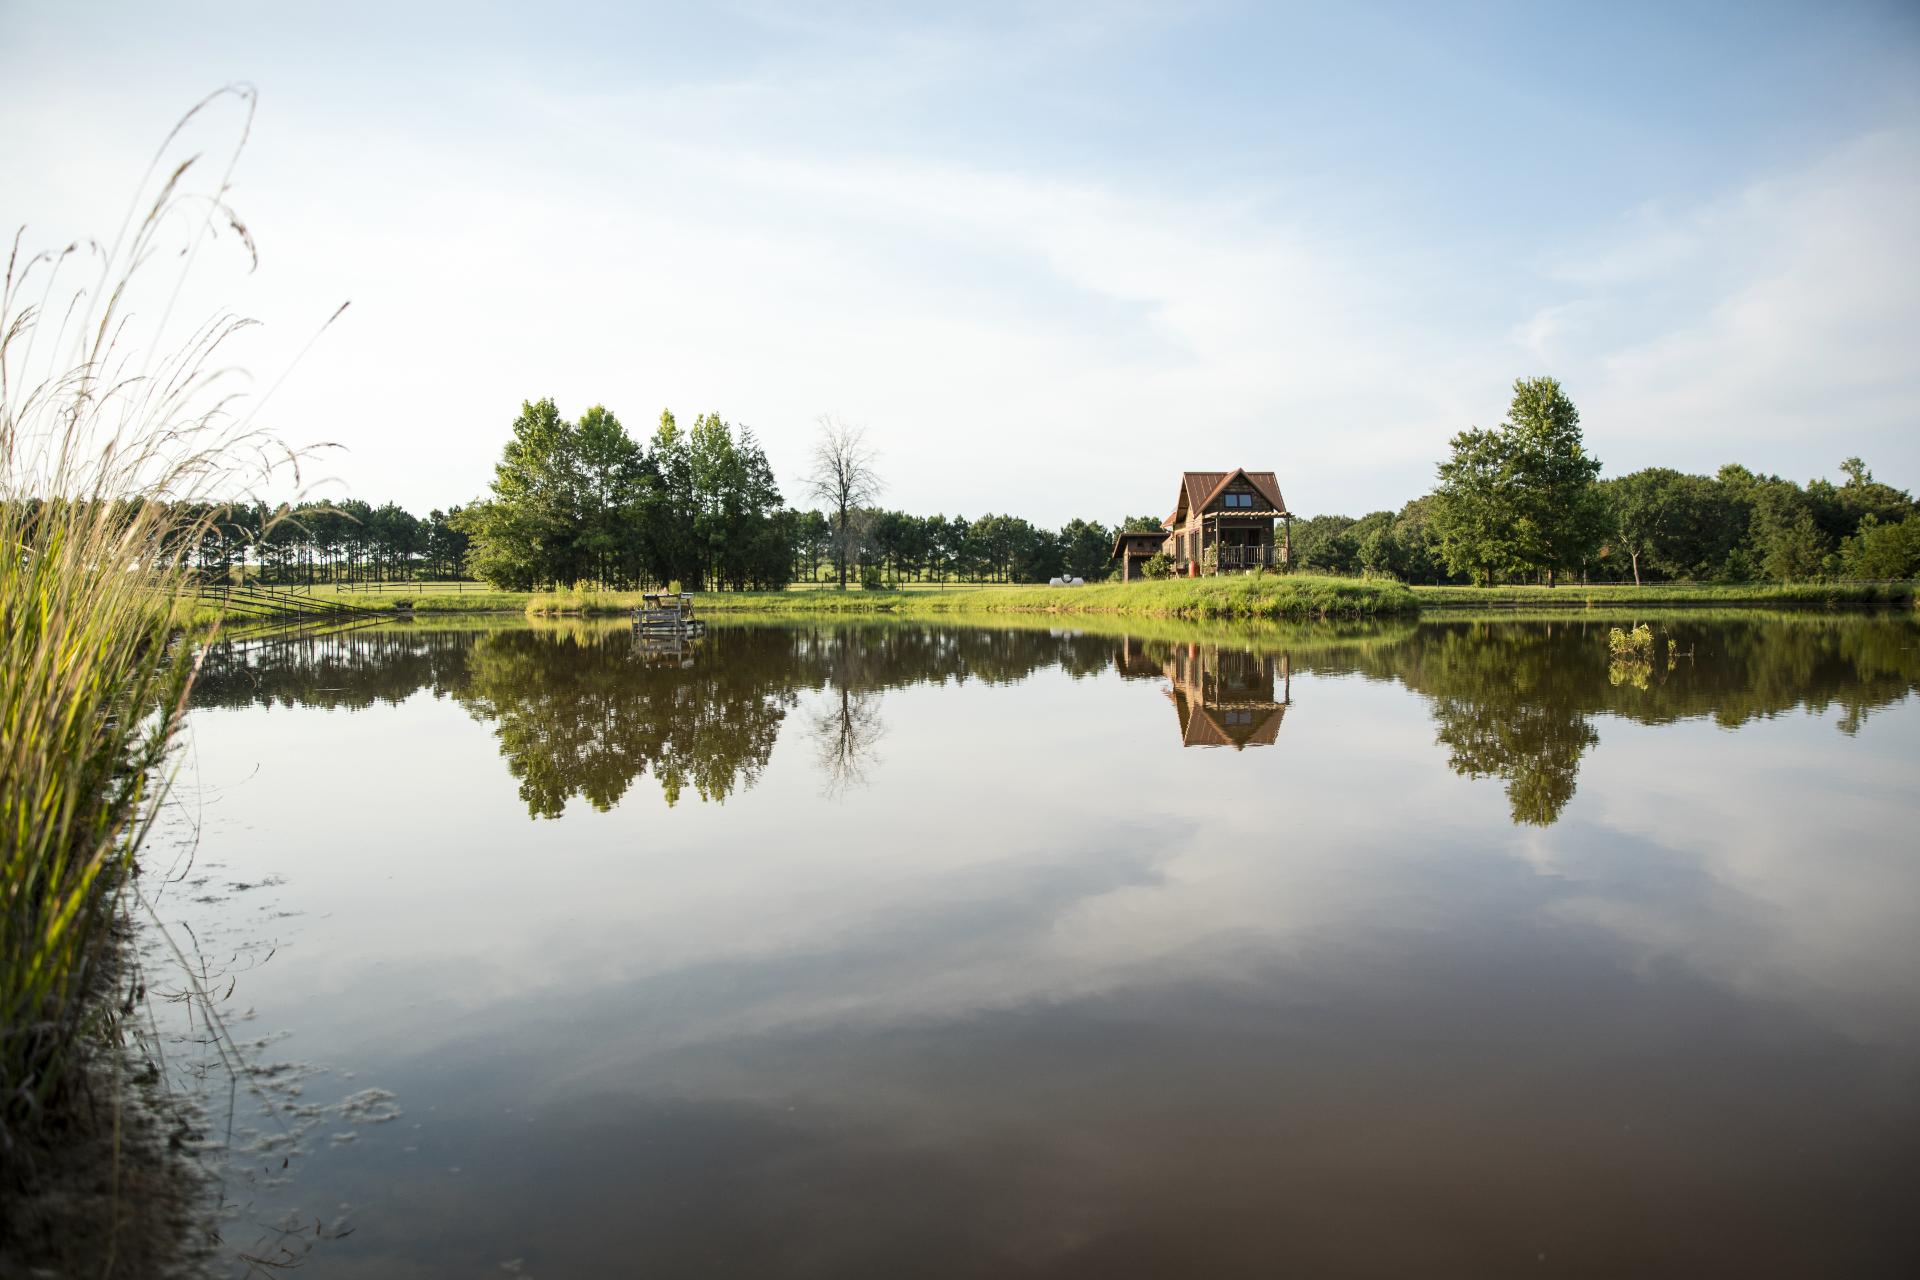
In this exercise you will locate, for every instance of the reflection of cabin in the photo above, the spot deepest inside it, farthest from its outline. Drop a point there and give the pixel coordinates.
(1226, 697)
(1139, 660)
(1222, 521)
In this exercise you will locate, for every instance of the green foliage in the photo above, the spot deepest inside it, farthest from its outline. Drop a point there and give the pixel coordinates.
(1521, 499)
(583, 501)
(1637, 642)
(1086, 548)
(1784, 536)
(1157, 565)
(1882, 550)
(1322, 545)
(1666, 524)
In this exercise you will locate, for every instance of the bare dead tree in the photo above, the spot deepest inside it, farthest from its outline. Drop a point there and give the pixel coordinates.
(844, 479)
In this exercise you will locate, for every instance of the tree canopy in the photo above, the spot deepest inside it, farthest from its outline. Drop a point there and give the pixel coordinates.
(1521, 498)
(584, 501)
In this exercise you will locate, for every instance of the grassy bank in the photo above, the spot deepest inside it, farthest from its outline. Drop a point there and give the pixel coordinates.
(1668, 595)
(1243, 597)
(113, 466)
(1296, 597)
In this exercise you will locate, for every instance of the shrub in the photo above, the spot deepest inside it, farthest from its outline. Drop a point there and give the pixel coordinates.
(1637, 643)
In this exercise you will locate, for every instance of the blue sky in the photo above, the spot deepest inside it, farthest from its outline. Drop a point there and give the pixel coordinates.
(1048, 255)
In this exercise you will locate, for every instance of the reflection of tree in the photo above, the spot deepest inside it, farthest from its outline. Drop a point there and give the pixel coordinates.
(845, 736)
(1517, 700)
(848, 732)
(1511, 703)
(583, 713)
(1536, 748)
(344, 667)
(579, 716)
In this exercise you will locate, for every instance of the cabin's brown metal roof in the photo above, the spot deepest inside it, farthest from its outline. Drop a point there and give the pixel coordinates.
(1199, 488)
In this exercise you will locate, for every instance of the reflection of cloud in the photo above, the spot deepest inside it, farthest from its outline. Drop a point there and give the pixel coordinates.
(1096, 980)
(1745, 318)
(1750, 886)
(1198, 1110)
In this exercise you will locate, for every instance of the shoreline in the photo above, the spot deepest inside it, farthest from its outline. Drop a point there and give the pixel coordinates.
(1230, 599)
(1279, 598)
(115, 1190)
(1776, 595)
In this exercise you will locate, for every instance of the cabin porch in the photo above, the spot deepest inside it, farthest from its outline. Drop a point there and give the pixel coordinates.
(1237, 543)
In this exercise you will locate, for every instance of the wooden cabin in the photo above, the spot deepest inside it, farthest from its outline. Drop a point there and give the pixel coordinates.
(1225, 521)
(1229, 697)
(1222, 522)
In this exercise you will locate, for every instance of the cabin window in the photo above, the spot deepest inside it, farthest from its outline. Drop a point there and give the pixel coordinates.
(1240, 500)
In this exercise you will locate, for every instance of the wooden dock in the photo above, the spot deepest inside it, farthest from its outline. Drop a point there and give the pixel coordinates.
(664, 613)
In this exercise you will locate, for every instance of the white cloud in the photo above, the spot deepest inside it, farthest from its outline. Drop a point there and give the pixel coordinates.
(997, 323)
(1775, 326)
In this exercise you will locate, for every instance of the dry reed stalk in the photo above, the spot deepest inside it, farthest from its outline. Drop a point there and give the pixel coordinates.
(116, 459)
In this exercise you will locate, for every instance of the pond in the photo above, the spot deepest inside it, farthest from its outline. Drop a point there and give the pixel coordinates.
(897, 950)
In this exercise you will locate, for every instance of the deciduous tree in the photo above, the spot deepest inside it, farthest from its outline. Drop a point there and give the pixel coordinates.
(844, 479)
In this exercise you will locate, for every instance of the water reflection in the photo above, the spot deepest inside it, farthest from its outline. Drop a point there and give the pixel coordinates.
(577, 716)
(1518, 702)
(991, 980)
(584, 712)
(1224, 697)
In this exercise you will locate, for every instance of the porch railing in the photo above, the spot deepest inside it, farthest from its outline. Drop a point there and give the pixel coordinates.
(1245, 557)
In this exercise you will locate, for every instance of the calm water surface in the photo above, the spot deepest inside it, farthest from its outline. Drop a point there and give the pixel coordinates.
(1454, 948)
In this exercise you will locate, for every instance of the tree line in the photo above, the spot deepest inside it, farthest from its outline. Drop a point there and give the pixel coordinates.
(897, 546)
(584, 502)
(1524, 502)
(348, 542)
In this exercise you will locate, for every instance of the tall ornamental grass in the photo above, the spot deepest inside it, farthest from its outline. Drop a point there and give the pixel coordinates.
(118, 437)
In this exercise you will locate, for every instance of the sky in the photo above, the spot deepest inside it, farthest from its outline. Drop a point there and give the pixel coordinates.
(1047, 256)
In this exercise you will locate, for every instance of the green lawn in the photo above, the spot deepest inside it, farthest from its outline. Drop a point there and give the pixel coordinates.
(1243, 596)
(1278, 596)
(1665, 594)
